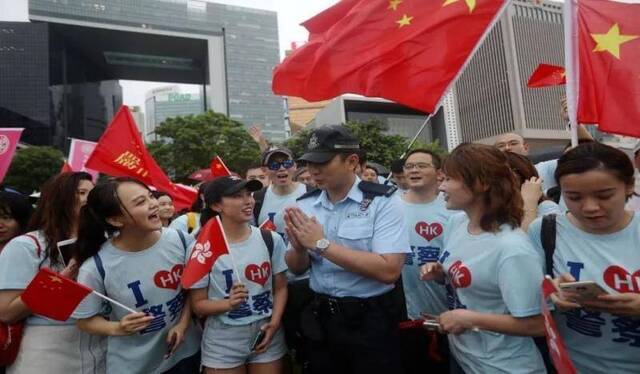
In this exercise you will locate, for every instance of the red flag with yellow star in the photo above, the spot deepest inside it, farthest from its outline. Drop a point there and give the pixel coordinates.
(547, 75)
(121, 152)
(53, 296)
(218, 168)
(606, 42)
(407, 51)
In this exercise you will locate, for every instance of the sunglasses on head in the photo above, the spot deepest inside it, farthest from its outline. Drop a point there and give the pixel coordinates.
(287, 164)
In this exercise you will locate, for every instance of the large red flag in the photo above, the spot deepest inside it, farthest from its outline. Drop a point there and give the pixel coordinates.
(408, 51)
(121, 152)
(547, 75)
(557, 349)
(603, 50)
(51, 295)
(218, 168)
(210, 245)
(9, 138)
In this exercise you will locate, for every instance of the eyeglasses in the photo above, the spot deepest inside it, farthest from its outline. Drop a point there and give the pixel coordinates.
(419, 166)
(287, 164)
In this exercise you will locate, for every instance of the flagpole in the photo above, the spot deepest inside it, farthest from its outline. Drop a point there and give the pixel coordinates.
(413, 141)
(113, 301)
(570, 69)
(226, 243)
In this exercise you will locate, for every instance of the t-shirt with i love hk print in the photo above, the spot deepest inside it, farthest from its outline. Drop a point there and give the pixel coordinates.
(251, 257)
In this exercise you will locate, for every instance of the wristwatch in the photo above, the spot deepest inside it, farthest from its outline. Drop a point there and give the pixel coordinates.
(321, 246)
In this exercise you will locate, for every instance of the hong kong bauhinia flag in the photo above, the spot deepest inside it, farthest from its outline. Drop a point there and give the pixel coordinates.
(210, 245)
(53, 296)
(603, 64)
(121, 152)
(407, 51)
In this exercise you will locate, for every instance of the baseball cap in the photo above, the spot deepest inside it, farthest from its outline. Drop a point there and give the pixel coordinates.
(227, 186)
(267, 155)
(327, 141)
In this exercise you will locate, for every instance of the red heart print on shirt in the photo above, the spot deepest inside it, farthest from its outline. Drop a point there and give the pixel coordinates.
(460, 275)
(169, 278)
(258, 274)
(429, 231)
(621, 280)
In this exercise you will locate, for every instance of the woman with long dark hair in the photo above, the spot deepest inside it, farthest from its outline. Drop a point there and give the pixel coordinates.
(15, 212)
(126, 254)
(597, 240)
(48, 346)
(491, 271)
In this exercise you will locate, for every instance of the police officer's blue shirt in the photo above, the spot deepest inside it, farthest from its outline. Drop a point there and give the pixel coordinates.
(380, 228)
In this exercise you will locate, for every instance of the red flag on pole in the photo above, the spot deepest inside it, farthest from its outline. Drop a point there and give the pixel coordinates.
(66, 168)
(268, 225)
(407, 51)
(121, 152)
(51, 295)
(557, 349)
(603, 64)
(547, 75)
(9, 138)
(218, 168)
(210, 245)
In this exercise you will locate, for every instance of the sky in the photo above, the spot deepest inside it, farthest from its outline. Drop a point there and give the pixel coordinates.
(290, 14)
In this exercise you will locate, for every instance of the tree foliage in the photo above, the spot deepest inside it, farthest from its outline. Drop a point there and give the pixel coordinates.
(32, 166)
(190, 143)
(379, 146)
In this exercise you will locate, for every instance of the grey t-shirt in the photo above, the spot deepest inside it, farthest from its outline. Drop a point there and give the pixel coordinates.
(147, 281)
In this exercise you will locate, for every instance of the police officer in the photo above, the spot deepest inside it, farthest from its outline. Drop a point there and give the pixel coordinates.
(352, 237)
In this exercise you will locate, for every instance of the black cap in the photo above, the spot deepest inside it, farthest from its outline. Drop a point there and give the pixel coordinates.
(226, 186)
(283, 151)
(327, 141)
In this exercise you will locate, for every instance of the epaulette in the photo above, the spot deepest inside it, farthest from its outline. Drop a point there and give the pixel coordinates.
(372, 190)
(312, 192)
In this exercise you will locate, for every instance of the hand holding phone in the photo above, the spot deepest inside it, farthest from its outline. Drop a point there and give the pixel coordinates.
(582, 291)
(258, 339)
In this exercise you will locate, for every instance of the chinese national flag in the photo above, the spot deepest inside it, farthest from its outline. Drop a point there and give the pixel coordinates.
(547, 75)
(53, 296)
(606, 59)
(218, 168)
(210, 245)
(121, 152)
(268, 225)
(407, 51)
(557, 349)
(66, 168)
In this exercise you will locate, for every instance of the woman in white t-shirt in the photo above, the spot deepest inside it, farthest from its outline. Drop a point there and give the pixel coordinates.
(48, 346)
(244, 311)
(491, 271)
(597, 241)
(139, 265)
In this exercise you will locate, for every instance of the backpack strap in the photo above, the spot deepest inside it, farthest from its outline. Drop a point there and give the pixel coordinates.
(548, 240)
(99, 265)
(191, 222)
(268, 241)
(183, 240)
(258, 197)
(38, 247)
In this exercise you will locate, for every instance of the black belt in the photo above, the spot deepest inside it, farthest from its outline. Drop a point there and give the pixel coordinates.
(334, 305)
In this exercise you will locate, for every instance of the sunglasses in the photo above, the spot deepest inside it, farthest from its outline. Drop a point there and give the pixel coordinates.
(287, 164)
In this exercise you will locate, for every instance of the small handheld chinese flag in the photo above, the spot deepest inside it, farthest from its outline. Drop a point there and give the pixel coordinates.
(210, 245)
(268, 225)
(66, 168)
(218, 168)
(557, 349)
(53, 296)
(547, 75)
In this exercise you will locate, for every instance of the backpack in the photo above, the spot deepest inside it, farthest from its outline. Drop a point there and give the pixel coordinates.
(11, 334)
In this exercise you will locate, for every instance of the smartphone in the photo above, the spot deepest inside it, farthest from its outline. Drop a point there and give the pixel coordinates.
(586, 290)
(258, 339)
(64, 250)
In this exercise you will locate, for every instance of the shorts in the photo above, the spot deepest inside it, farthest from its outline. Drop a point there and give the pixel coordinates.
(226, 346)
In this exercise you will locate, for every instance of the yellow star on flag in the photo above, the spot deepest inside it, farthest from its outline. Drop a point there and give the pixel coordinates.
(470, 3)
(55, 279)
(393, 4)
(404, 21)
(611, 41)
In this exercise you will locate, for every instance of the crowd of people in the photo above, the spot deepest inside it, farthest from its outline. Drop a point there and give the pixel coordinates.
(460, 244)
